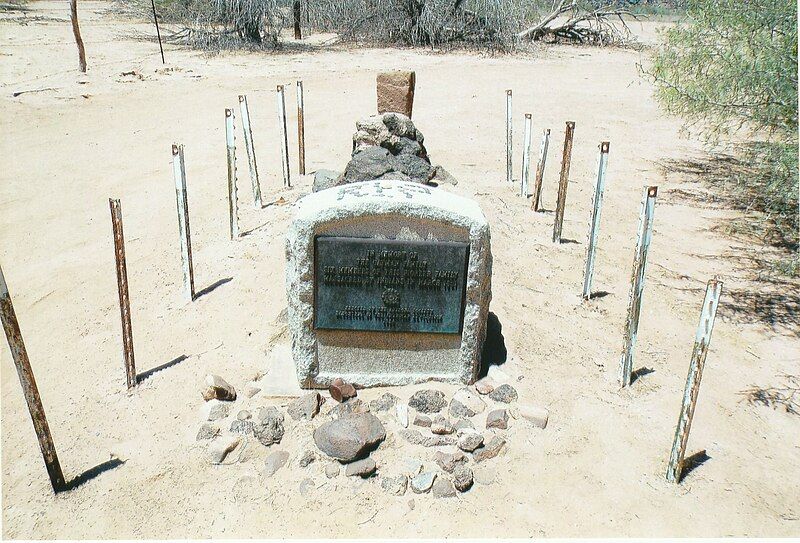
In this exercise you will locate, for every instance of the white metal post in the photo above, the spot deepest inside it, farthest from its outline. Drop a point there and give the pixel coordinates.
(251, 150)
(179, 173)
(526, 158)
(233, 203)
(284, 137)
(594, 223)
(509, 134)
(537, 188)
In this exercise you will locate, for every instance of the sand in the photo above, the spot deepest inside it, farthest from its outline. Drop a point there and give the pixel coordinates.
(598, 468)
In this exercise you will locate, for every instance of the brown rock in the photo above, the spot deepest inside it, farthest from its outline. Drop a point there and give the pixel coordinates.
(218, 388)
(341, 390)
(489, 450)
(497, 419)
(396, 92)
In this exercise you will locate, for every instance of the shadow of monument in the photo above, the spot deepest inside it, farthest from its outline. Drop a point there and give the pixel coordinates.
(494, 347)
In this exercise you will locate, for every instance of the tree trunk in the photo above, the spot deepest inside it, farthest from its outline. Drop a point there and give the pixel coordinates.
(296, 8)
(73, 8)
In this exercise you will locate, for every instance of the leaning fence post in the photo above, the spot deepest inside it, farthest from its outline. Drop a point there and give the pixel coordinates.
(563, 181)
(29, 389)
(637, 283)
(122, 289)
(251, 150)
(233, 203)
(701, 340)
(301, 129)
(526, 158)
(179, 172)
(508, 137)
(284, 137)
(537, 188)
(594, 224)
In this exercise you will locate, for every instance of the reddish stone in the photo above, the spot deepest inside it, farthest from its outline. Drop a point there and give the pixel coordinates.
(396, 92)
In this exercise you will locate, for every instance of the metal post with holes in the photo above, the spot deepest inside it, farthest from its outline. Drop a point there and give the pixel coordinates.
(537, 187)
(287, 183)
(637, 283)
(251, 150)
(563, 181)
(701, 341)
(594, 223)
(508, 138)
(179, 172)
(122, 290)
(233, 202)
(29, 388)
(301, 129)
(526, 158)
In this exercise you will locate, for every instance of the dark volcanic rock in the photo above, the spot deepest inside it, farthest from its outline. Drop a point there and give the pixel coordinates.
(428, 401)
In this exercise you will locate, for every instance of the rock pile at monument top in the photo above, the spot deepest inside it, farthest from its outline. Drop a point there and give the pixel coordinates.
(379, 438)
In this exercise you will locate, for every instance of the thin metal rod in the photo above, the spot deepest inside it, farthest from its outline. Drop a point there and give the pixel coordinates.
(287, 182)
(122, 289)
(29, 388)
(179, 173)
(526, 158)
(563, 182)
(301, 129)
(509, 138)
(158, 31)
(698, 362)
(233, 202)
(594, 223)
(637, 283)
(251, 150)
(537, 189)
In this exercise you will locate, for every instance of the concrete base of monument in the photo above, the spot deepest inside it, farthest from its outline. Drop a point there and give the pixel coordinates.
(392, 302)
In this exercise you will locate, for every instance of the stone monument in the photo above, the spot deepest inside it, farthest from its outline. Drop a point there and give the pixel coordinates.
(388, 283)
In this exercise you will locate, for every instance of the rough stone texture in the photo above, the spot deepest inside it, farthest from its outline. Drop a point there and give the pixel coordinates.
(443, 488)
(243, 427)
(341, 391)
(441, 426)
(466, 404)
(384, 403)
(423, 482)
(306, 486)
(469, 441)
(395, 486)
(207, 431)
(440, 176)
(415, 437)
(244, 414)
(220, 447)
(396, 91)
(353, 405)
(489, 450)
(306, 407)
(411, 466)
(386, 210)
(364, 468)
(332, 470)
(401, 412)
(463, 424)
(449, 461)
(485, 386)
(497, 419)
(324, 179)
(274, 462)
(535, 414)
(218, 388)
(215, 410)
(427, 401)
(269, 427)
(251, 390)
(504, 394)
(462, 478)
(350, 436)
(307, 458)
(422, 421)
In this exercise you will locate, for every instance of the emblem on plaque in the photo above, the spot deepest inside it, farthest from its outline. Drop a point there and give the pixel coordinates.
(391, 298)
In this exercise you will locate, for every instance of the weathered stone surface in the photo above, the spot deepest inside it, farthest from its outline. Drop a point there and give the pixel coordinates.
(441, 426)
(471, 404)
(415, 437)
(489, 450)
(449, 461)
(535, 414)
(395, 486)
(462, 478)
(411, 466)
(440, 176)
(469, 441)
(463, 424)
(215, 410)
(368, 164)
(387, 210)
(269, 427)
(428, 401)
(207, 431)
(363, 468)
(384, 403)
(307, 458)
(220, 447)
(341, 390)
(353, 405)
(504, 393)
(401, 412)
(497, 419)
(422, 421)
(244, 414)
(274, 462)
(485, 386)
(251, 390)
(306, 486)
(218, 388)
(306, 407)
(423, 482)
(324, 179)
(443, 488)
(243, 427)
(350, 436)
(332, 470)
(395, 91)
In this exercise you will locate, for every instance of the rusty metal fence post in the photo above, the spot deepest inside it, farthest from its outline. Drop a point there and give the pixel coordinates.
(701, 341)
(233, 201)
(537, 188)
(594, 223)
(122, 289)
(287, 182)
(179, 172)
(509, 136)
(301, 129)
(251, 150)
(563, 182)
(526, 158)
(637, 283)
(29, 388)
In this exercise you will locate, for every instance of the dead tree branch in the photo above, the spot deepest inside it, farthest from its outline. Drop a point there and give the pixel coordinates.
(567, 21)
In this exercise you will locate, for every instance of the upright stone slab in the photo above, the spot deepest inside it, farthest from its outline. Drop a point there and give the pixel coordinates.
(388, 283)
(396, 92)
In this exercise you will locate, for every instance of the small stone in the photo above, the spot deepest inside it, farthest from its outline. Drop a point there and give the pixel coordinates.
(274, 462)
(485, 386)
(207, 431)
(243, 427)
(244, 414)
(383, 403)
(463, 424)
(462, 478)
(422, 420)
(497, 419)
(269, 429)
(251, 390)
(415, 437)
(428, 401)
(350, 436)
(401, 412)
(443, 488)
(535, 414)
(441, 426)
(466, 403)
(484, 475)
(324, 179)
(307, 458)
(395, 486)
(459, 410)
(489, 450)
(412, 466)
(221, 446)
(410, 505)
(218, 388)
(449, 461)
(469, 441)
(423, 482)
(364, 468)
(215, 410)
(504, 393)
(353, 405)
(332, 470)
(306, 486)
(306, 407)
(341, 390)
(498, 375)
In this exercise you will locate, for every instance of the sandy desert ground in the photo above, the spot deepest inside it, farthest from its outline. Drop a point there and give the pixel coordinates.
(596, 470)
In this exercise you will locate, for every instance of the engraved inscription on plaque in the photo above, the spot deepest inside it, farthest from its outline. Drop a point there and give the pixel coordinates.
(389, 285)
